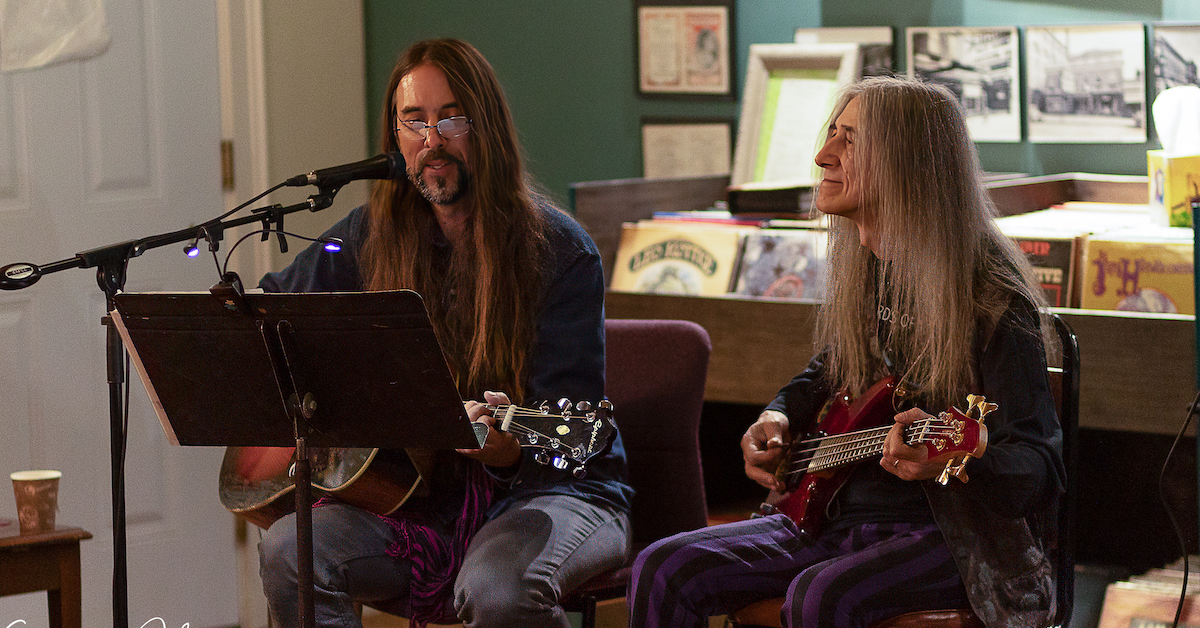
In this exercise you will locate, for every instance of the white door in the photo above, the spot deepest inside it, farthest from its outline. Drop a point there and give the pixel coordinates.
(92, 153)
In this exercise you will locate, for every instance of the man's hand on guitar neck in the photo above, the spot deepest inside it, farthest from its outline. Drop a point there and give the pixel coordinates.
(762, 448)
(501, 449)
(905, 461)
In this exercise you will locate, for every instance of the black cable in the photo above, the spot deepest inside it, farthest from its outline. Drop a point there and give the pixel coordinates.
(243, 205)
(223, 268)
(1162, 495)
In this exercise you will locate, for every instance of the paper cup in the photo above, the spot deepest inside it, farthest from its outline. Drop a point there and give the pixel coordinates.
(37, 499)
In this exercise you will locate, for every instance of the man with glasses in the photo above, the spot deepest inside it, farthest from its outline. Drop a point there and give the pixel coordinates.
(515, 290)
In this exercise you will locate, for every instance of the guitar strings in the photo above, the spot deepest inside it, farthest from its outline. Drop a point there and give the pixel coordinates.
(850, 446)
(525, 412)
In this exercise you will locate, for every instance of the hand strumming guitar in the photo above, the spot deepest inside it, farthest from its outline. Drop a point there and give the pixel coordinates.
(762, 448)
(501, 449)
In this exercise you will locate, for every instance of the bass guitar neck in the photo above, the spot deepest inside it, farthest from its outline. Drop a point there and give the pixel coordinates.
(815, 465)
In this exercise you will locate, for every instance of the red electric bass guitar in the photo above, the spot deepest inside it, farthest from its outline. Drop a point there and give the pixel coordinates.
(816, 465)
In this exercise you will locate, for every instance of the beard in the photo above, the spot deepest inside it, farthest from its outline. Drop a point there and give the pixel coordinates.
(441, 190)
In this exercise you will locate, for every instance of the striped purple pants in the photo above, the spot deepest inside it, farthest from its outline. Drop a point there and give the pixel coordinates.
(849, 578)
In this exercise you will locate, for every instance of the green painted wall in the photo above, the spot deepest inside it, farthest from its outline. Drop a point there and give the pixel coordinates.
(568, 68)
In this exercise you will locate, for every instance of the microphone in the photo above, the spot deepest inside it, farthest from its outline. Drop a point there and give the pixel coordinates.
(383, 166)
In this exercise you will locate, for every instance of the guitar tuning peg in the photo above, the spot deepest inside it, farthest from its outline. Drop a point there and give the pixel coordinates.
(957, 470)
(960, 470)
(579, 473)
(564, 404)
(542, 457)
(583, 406)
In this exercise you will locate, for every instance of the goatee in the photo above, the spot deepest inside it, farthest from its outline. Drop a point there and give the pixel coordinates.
(441, 190)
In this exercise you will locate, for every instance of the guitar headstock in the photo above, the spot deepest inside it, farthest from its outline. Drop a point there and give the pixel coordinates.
(953, 437)
(566, 435)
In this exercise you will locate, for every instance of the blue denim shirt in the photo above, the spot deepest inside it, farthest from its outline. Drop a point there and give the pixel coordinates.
(568, 359)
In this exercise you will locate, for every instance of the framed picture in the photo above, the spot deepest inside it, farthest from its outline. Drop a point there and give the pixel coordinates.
(789, 94)
(1086, 84)
(685, 49)
(692, 147)
(979, 65)
(1175, 55)
(875, 45)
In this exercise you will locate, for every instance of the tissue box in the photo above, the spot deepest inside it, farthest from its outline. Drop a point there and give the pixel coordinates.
(1139, 270)
(1174, 181)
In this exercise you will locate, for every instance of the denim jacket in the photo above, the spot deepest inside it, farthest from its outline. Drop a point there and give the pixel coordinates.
(568, 359)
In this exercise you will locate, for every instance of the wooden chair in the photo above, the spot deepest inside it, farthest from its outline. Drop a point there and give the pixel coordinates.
(656, 371)
(1065, 384)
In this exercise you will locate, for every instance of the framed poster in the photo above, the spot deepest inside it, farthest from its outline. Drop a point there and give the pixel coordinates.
(1175, 55)
(979, 65)
(684, 49)
(686, 147)
(1086, 84)
(875, 45)
(790, 91)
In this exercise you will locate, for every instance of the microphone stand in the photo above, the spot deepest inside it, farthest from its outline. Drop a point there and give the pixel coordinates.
(111, 263)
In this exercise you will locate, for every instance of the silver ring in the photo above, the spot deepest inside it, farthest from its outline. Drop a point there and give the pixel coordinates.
(896, 463)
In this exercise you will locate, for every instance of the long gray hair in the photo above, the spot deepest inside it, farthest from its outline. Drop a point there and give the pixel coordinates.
(943, 268)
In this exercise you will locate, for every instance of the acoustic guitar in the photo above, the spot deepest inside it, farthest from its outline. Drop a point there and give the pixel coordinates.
(815, 465)
(256, 482)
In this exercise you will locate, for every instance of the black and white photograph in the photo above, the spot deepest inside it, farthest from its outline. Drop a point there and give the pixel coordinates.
(979, 65)
(1086, 84)
(1175, 55)
(874, 45)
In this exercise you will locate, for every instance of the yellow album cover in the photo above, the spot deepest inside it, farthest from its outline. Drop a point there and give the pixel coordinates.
(1140, 270)
(677, 257)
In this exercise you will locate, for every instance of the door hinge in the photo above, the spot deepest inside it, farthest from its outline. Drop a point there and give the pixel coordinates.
(227, 182)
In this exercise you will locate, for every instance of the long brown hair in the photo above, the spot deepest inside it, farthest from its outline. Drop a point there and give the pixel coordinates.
(482, 297)
(943, 268)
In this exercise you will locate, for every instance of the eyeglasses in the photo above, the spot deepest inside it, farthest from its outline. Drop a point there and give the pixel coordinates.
(448, 128)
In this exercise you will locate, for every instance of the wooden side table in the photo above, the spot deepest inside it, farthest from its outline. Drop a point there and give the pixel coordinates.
(44, 562)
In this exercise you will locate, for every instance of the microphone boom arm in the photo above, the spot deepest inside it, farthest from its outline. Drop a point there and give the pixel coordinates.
(113, 258)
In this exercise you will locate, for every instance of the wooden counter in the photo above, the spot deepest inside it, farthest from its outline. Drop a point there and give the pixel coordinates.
(1137, 371)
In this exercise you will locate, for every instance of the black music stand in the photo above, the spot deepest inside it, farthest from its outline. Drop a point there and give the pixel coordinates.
(304, 370)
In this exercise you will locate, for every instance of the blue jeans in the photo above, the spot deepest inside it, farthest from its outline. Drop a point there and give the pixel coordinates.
(515, 570)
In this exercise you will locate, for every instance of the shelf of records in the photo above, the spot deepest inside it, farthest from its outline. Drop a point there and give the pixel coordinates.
(1088, 255)
(1151, 600)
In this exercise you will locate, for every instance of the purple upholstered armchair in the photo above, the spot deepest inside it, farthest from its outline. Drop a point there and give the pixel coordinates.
(656, 370)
